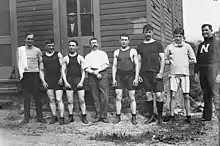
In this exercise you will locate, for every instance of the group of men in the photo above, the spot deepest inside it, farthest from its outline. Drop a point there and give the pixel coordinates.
(132, 69)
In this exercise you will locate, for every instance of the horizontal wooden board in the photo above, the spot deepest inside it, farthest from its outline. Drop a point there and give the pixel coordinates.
(35, 18)
(36, 23)
(123, 10)
(35, 8)
(102, 2)
(119, 27)
(116, 38)
(122, 5)
(35, 13)
(123, 16)
(38, 28)
(37, 33)
(33, 3)
(121, 21)
(116, 43)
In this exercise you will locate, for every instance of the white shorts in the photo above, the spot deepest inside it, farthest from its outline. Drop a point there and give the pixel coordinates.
(179, 81)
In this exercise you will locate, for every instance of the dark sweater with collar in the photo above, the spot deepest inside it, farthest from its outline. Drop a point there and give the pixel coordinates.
(208, 54)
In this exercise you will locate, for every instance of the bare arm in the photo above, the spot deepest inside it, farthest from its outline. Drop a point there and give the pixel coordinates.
(136, 62)
(41, 67)
(82, 69)
(139, 61)
(162, 62)
(60, 56)
(64, 70)
(166, 56)
(114, 66)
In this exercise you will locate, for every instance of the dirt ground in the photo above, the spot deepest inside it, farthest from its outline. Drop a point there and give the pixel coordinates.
(100, 134)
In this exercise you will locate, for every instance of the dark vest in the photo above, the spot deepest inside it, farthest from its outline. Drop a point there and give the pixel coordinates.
(73, 68)
(124, 62)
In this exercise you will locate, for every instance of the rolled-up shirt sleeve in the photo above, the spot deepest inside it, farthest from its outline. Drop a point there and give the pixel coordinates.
(87, 62)
(105, 59)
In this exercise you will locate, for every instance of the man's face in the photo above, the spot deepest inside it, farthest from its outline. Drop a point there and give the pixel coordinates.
(94, 44)
(148, 34)
(124, 41)
(29, 40)
(72, 47)
(206, 32)
(178, 38)
(50, 47)
(72, 19)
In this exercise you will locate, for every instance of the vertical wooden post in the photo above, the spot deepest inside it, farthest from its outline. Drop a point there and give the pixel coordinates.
(14, 33)
(148, 11)
(56, 25)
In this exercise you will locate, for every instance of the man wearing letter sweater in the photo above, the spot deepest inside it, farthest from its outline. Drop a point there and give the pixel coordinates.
(208, 69)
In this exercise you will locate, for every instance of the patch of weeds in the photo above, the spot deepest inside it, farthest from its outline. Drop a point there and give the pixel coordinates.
(167, 134)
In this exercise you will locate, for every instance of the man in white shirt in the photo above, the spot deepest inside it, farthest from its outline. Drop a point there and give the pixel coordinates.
(96, 64)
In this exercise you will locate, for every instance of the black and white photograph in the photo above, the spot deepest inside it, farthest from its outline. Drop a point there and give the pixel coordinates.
(109, 72)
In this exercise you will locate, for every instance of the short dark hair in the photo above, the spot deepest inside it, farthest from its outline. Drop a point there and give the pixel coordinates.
(49, 41)
(178, 30)
(74, 41)
(148, 27)
(124, 35)
(28, 33)
(209, 25)
(92, 39)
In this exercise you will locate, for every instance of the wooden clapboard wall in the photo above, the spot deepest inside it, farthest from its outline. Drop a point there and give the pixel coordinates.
(121, 16)
(35, 16)
(129, 16)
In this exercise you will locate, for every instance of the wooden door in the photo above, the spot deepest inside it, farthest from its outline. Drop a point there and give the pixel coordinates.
(8, 37)
(80, 20)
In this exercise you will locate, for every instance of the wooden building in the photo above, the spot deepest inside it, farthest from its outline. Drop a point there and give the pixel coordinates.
(104, 19)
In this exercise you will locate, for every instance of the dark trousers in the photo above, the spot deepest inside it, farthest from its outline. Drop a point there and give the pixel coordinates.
(210, 90)
(30, 84)
(100, 89)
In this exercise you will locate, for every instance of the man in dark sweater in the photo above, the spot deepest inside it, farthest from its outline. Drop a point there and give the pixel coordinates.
(207, 66)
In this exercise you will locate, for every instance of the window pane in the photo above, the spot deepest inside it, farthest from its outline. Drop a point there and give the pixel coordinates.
(86, 24)
(71, 6)
(5, 16)
(85, 6)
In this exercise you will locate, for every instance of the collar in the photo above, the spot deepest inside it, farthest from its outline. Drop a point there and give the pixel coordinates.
(150, 41)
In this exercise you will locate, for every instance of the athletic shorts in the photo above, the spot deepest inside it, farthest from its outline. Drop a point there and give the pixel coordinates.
(181, 81)
(151, 83)
(74, 81)
(53, 83)
(125, 80)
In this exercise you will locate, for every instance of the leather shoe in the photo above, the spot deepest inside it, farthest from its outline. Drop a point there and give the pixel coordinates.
(150, 120)
(97, 120)
(41, 120)
(104, 120)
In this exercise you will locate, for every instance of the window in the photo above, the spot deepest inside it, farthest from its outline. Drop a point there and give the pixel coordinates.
(82, 26)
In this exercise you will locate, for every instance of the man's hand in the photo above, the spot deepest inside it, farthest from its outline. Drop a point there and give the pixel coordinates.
(60, 82)
(159, 76)
(67, 85)
(217, 79)
(114, 83)
(80, 85)
(45, 85)
(140, 79)
(196, 78)
(99, 76)
(96, 72)
(135, 82)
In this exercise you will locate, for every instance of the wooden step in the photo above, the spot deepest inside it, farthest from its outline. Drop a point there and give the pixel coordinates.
(10, 90)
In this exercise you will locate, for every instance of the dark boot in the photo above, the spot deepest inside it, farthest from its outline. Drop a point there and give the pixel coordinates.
(24, 121)
(53, 120)
(70, 119)
(188, 119)
(117, 119)
(133, 119)
(160, 112)
(84, 120)
(41, 120)
(150, 107)
(170, 119)
(61, 121)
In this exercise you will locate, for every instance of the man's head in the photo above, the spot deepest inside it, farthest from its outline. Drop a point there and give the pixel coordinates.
(29, 39)
(207, 30)
(124, 40)
(73, 46)
(50, 45)
(148, 31)
(94, 43)
(178, 35)
(72, 18)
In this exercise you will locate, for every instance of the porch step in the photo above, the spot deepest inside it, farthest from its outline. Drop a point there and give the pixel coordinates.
(9, 90)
